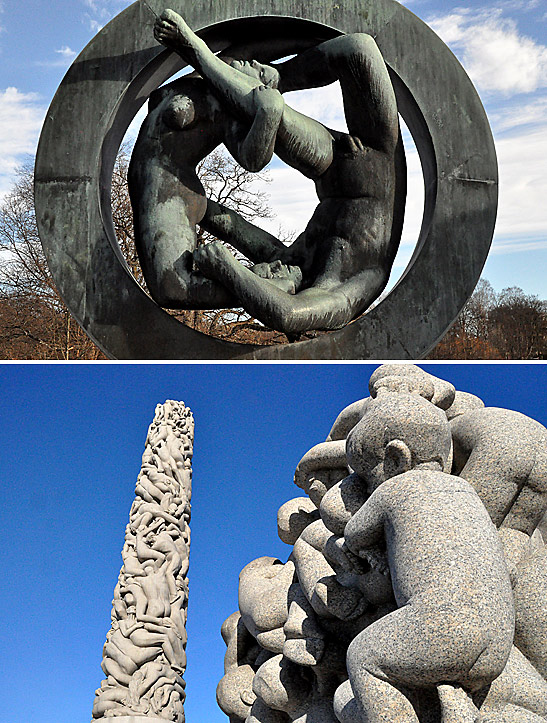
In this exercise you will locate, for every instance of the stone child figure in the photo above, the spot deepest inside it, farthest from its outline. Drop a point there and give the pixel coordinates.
(341, 262)
(453, 629)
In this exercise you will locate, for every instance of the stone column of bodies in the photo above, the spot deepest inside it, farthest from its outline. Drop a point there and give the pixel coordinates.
(144, 655)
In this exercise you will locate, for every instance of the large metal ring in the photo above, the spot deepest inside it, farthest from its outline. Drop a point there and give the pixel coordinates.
(113, 76)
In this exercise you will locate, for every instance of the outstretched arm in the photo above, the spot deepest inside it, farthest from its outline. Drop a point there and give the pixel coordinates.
(230, 85)
(253, 242)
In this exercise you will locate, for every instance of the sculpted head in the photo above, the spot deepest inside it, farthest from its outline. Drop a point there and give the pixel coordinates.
(463, 402)
(399, 432)
(411, 379)
(268, 75)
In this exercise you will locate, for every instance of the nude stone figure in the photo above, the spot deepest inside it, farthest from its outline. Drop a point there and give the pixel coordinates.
(503, 455)
(341, 262)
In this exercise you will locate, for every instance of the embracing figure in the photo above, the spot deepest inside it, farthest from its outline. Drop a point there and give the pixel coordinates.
(341, 262)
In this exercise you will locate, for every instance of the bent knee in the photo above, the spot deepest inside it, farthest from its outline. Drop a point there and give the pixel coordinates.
(351, 45)
(362, 656)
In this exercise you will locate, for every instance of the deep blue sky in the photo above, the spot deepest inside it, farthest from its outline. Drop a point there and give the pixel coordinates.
(73, 437)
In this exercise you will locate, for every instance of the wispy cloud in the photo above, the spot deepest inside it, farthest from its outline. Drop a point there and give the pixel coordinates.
(21, 116)
(497, 57)
(520, 5)
(65, 57)
(519, 117)
(99, 12)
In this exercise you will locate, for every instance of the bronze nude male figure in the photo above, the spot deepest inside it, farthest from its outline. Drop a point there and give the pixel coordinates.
(341, 262)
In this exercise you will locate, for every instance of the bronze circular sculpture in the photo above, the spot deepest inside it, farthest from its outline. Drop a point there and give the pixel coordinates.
(122, 65)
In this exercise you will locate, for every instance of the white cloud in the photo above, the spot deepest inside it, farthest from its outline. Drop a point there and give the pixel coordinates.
(21, 117)
(522, 187)
(101, 11)
(66, 56)
(66, 52)
(497, 57)
(519, 115)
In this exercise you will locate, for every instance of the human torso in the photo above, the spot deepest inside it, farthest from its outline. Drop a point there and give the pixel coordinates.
(439, 535)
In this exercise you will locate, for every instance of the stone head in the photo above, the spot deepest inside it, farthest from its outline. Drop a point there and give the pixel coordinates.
(399, 432)
(268, 75)
(411, 379)
(463, 402)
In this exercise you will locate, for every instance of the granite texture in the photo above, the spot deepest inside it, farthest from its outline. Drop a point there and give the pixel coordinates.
(416, 584)
(144, 655)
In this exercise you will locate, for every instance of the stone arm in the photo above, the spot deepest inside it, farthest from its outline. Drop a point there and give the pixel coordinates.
(347, 419)
(310, 563)
(365, 530)
(325, 455)
(250, 240)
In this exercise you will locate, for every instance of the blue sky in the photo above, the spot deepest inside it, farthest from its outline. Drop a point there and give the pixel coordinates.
(502, 44)
(72, 439)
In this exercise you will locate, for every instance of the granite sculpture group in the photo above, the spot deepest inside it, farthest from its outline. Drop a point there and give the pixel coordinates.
(415, 589)
(414, 592)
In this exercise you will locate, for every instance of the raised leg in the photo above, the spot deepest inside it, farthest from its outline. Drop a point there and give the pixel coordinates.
(369, 100)
(302, 142)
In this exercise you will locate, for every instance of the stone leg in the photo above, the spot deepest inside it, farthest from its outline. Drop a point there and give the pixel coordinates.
(456, 705)
(531, 612)
(261, 713)
(513, 714)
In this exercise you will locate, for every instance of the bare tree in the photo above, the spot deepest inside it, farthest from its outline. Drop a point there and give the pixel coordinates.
(519, 325)
(34, 321)
(508, 325)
